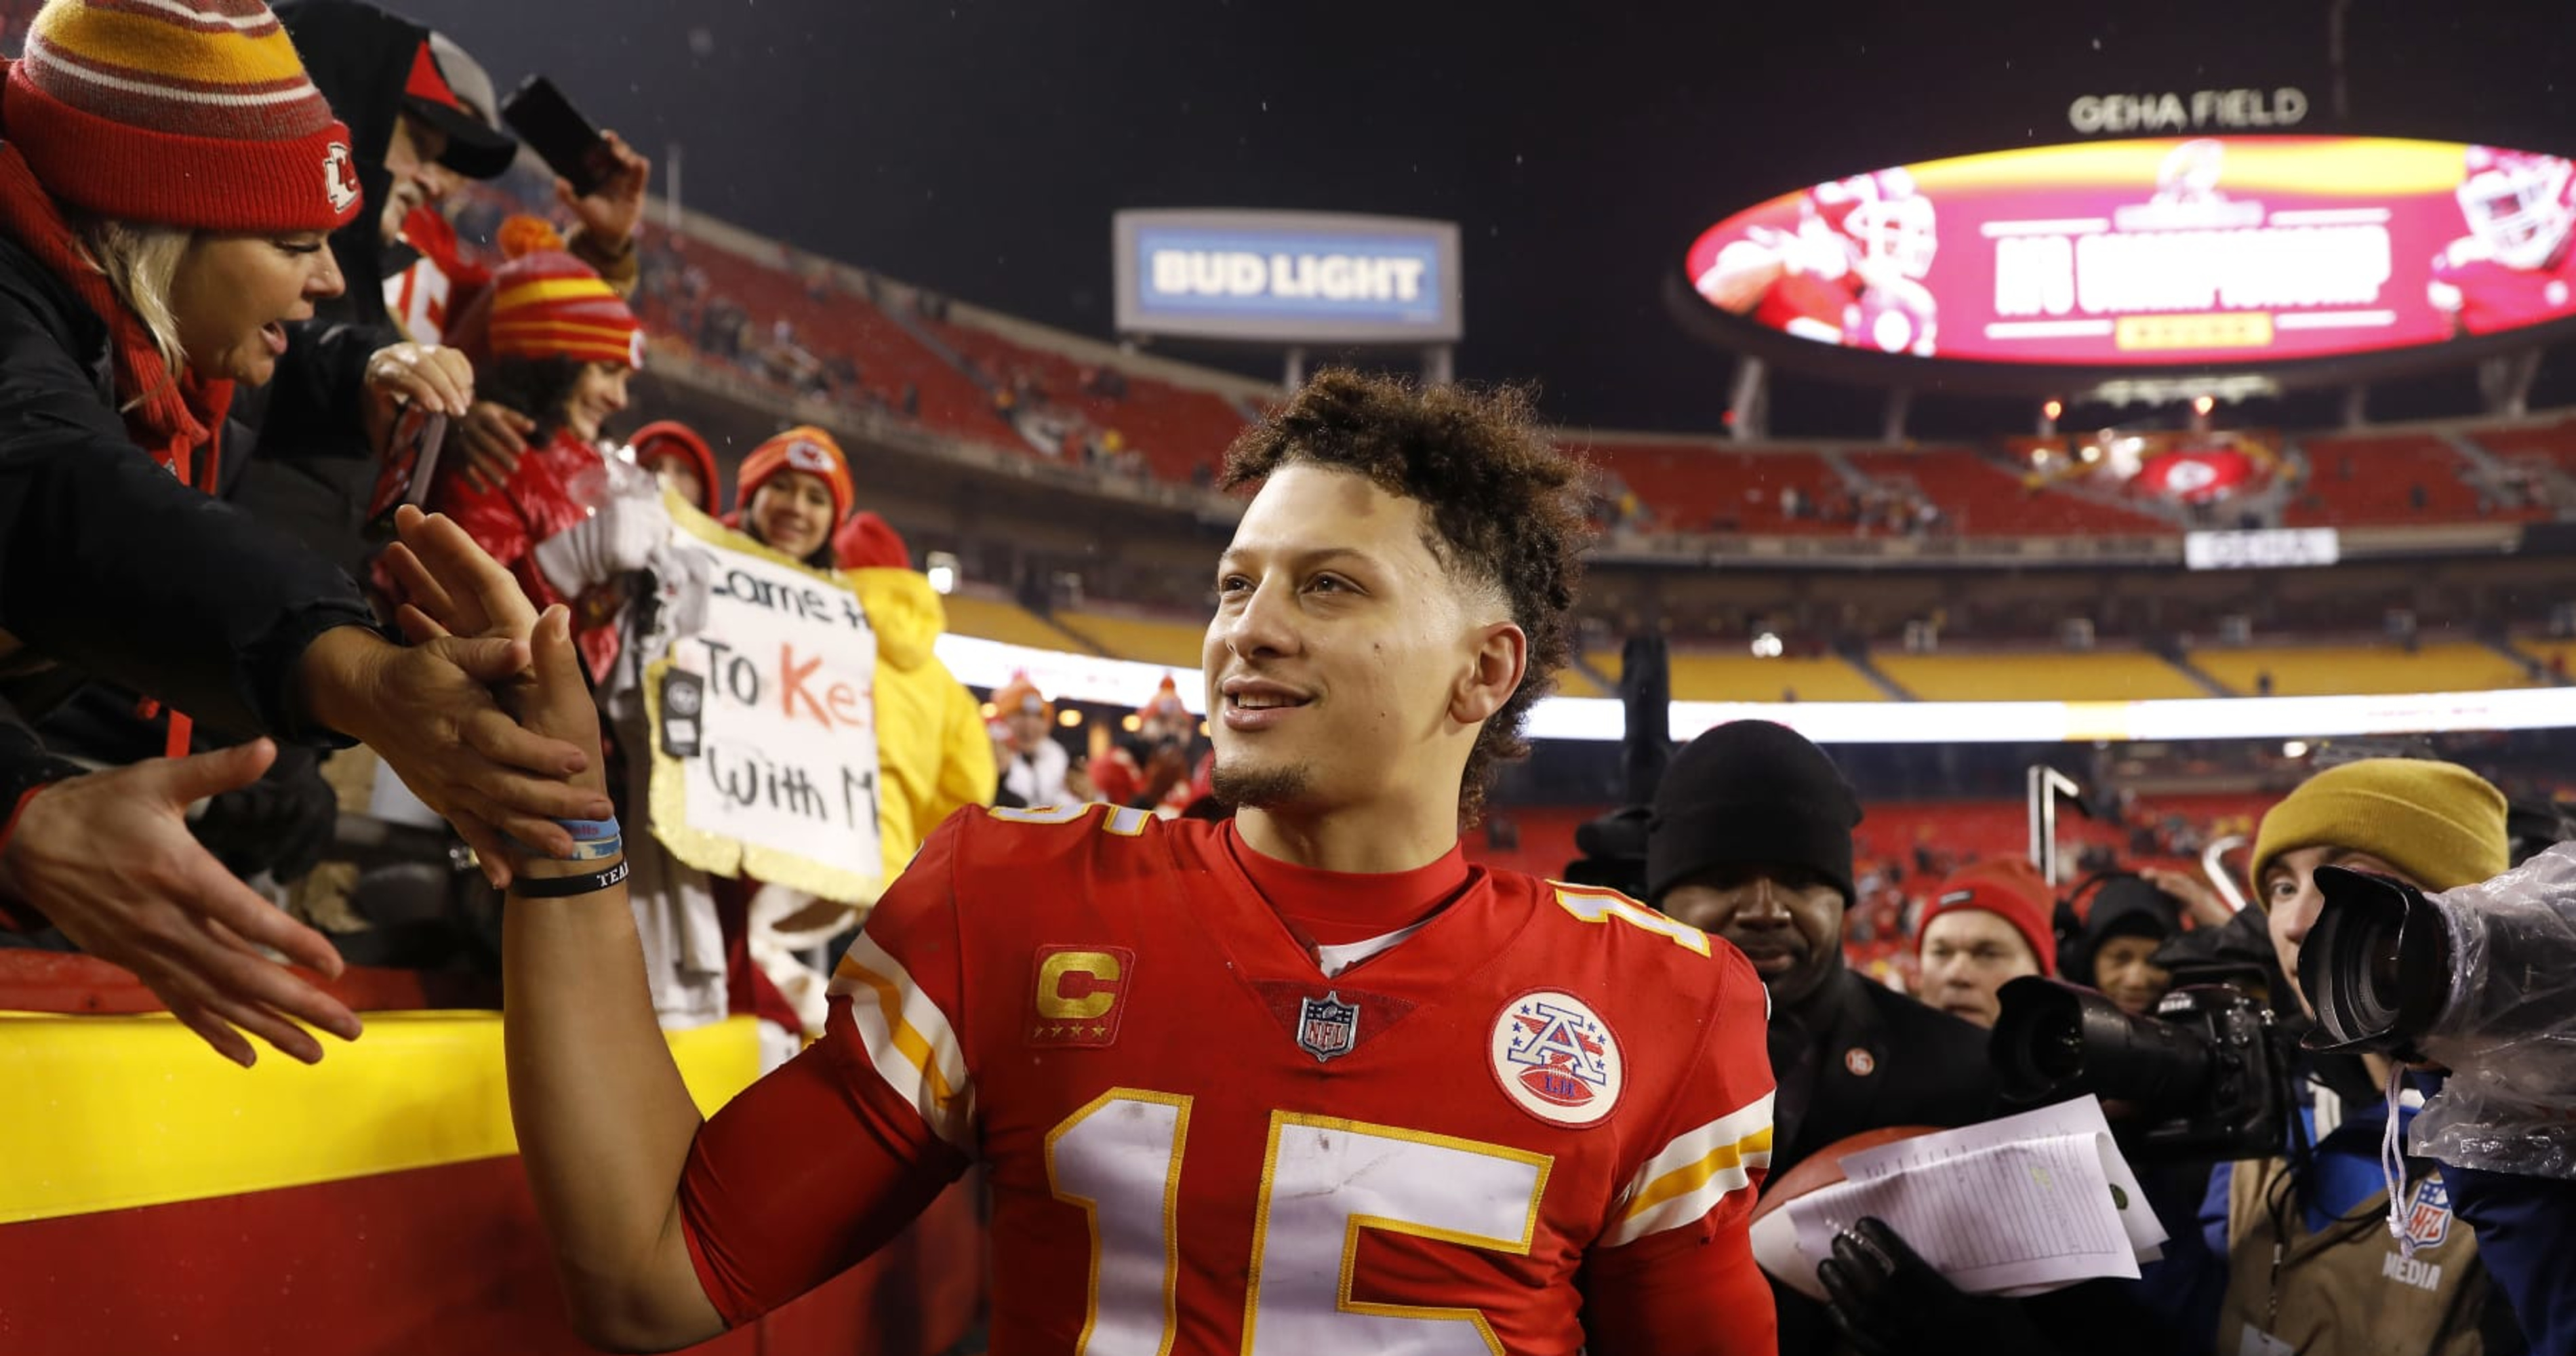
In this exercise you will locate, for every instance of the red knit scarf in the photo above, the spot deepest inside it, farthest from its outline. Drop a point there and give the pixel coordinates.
(171, 419)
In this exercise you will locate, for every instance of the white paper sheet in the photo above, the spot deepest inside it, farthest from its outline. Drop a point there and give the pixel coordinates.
(2011, 1206)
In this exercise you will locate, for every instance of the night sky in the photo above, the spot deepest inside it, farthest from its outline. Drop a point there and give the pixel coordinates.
(980, 148)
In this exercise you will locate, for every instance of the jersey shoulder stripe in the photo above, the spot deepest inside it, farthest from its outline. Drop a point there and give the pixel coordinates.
(1688, 1177)
(910, 1043)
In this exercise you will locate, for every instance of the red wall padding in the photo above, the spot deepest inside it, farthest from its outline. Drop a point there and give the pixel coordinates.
(433, 1262)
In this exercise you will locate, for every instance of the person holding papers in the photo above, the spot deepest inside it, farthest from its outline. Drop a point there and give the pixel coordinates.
(1751, 840)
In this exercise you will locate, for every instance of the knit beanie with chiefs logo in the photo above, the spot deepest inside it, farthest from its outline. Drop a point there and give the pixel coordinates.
(803, 448)
(188, 113)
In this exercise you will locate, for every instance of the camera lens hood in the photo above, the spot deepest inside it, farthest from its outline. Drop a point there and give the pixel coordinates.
(2376, 966)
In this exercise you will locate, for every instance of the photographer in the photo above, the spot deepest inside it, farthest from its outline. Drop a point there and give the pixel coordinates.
(2312, 1265)
(1751, 840)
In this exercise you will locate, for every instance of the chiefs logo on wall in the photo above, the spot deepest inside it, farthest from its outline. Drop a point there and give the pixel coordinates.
(2196, 475)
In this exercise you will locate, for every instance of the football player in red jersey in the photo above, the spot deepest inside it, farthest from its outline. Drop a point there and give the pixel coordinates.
(2515, 266)
(1850, 273)
(1300, 1082)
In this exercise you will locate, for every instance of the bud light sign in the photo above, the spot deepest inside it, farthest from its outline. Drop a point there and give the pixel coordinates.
(1287, 277)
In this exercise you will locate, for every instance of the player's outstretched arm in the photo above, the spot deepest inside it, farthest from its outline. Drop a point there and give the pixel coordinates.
(603, 1118)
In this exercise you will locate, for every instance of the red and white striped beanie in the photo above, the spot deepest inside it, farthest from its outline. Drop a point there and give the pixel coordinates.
(187, 113)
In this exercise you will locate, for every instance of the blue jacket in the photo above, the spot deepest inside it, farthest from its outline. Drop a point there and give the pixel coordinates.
(2526, 1228)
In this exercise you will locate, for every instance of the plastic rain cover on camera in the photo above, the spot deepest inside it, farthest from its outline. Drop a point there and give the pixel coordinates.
(2508, 1034)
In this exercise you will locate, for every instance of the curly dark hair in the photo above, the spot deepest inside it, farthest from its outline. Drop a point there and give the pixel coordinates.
(540, 388)
(1506, 509)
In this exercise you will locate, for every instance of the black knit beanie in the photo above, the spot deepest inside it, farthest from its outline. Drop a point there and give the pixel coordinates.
(1751, 793)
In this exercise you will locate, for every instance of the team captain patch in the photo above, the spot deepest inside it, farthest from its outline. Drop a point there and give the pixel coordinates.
(1078, 995)
(1556, 1058)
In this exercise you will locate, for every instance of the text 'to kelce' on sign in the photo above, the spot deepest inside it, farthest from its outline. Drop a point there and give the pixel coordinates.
(765, 743)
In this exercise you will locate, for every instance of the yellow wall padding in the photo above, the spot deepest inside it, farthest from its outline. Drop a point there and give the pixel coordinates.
(106, 1113)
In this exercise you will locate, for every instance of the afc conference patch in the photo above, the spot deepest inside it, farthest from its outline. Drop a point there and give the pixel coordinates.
(1556, 1059)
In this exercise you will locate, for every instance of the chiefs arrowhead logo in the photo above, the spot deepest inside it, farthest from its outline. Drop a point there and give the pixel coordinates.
(806, 456)
(340, 177)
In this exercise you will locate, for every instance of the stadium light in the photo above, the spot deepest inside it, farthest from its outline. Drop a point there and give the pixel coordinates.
(1767, 646)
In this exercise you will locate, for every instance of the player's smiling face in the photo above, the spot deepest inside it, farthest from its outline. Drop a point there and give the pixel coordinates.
(1343, 660)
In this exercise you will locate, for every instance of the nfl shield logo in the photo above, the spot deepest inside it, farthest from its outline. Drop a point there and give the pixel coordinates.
(1327, 1027)
(2428, 1214)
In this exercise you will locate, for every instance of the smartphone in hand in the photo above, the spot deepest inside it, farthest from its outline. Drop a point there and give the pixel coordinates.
(409, 464)
(562, 137)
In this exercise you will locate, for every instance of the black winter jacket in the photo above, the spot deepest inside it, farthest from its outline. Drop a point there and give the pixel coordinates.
(109, 565)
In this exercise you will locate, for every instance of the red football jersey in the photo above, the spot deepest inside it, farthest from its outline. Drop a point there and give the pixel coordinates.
(1546, 1111)
(2487, 296)
(1808, 306)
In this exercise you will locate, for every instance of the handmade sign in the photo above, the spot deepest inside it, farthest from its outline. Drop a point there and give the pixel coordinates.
(764, 719)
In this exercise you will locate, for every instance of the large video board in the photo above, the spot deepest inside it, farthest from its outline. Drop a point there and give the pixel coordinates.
(2163, 252)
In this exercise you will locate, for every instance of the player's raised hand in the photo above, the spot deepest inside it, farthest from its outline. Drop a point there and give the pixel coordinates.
(457, 589)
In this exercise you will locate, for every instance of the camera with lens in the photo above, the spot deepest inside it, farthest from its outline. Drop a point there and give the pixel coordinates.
(2208, 1076)
(2480, 980)
(2393, 970)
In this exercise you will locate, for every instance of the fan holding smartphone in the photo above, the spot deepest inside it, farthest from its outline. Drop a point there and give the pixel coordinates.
(600, 179)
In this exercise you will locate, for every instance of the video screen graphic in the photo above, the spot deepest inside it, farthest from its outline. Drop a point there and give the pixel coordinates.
(2159, 251)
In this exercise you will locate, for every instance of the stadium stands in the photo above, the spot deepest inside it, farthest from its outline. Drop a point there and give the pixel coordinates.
(2554, 443)
(1008, 622)
(2393, 477)
(2325, 670)
(2557, 656)
(1703, 486)
(967, 377)
(826, 320)
(1701, 677)
(1982, 498)
(1926, 839)
(1146, 640)
(1181, 433)
(2098, 676)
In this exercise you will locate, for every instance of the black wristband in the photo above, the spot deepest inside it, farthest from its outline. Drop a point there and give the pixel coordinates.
(565, 887)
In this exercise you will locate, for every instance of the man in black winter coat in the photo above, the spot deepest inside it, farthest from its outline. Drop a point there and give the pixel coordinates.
(316, 463)
(1751, 840)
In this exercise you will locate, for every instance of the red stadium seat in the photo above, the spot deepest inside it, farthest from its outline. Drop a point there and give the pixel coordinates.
(1980, 498)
